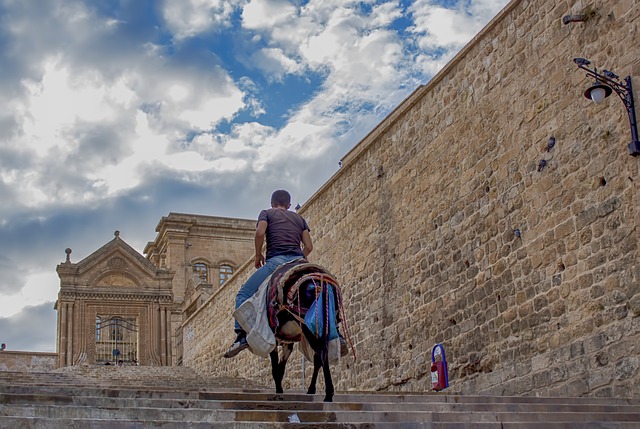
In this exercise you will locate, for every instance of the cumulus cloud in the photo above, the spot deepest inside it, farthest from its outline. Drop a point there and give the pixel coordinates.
(186, 18)
(275, 63)
(88, 118)
(449, 27)
(267, 14)
(364, 65)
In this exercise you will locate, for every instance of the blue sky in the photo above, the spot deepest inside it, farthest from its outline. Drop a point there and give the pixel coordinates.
(119, 112)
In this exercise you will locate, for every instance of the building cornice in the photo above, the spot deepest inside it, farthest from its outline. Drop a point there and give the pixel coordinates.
(71, 295)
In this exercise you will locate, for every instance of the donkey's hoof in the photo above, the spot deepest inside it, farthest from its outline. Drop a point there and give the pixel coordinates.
(277, 397)
(328, 399)
(311, 392)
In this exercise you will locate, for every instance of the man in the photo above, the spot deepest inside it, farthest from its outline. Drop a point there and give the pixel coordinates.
(288, 238)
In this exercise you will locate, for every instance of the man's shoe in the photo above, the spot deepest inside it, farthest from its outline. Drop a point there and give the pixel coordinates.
(236, 348)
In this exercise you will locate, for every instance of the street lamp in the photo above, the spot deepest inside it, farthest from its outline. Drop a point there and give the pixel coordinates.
(603, 87)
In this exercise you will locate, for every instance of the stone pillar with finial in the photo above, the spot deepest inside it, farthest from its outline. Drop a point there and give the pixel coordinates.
(68, 252)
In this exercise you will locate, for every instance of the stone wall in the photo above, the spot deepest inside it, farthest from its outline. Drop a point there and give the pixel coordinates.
(27, 361)
(443, 228)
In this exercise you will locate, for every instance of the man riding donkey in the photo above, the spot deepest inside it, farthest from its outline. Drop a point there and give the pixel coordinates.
(288, 244)
(288, 239)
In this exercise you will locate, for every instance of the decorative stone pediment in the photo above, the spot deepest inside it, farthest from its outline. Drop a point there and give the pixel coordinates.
(115, 266)
(117, 255)
(117, 263)
(119, 270)
(118, 279)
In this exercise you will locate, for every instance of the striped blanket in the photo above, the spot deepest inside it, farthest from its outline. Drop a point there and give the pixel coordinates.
(285, 292)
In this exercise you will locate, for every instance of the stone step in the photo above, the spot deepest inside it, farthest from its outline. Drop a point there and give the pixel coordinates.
(20, 423)
(231, 394)
(133, 412)
(250, 403)
(131, 381)
(25, 423)
(32, 423)
(97, 397)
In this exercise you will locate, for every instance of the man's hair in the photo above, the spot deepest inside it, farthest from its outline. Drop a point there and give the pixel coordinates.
(280, 198)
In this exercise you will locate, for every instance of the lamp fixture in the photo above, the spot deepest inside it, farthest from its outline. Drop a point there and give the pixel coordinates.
(605, 84)
(598, 92)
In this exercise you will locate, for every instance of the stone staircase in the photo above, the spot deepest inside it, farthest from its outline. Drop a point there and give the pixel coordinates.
(177, 397)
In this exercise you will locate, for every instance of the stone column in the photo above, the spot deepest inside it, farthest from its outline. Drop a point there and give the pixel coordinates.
(168, 335)
(69, 357)
(62, 342)
(163, 336)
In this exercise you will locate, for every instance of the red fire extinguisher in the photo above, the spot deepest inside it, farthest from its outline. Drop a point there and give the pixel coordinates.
(439, 373)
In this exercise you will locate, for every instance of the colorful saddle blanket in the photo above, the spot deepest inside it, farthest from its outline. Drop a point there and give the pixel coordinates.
(285, 286)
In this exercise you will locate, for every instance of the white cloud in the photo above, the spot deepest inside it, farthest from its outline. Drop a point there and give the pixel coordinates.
(66, 100)
(359, 56)
(152, 149)
(450, 27)
(208, 108)
(186, 97)
(267, 14)
(441, 27)
(362, 61)
(38, 288)
(244, 139)
(365, 66)
(384, 14)
(300, 141)
(186, 18)
(274, 62)
(51, 113)
(63, 97)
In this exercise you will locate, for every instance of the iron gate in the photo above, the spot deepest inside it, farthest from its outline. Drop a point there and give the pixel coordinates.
(116, 340)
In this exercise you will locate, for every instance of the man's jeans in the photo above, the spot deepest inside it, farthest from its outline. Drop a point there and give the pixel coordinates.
(252, 285)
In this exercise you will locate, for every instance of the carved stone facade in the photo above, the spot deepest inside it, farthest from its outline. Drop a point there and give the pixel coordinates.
(116, 306)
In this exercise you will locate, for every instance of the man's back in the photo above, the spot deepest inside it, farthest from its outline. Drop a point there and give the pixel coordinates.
(284, 231)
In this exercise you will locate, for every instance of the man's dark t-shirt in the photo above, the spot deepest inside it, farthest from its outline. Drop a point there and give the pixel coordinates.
(284, 232)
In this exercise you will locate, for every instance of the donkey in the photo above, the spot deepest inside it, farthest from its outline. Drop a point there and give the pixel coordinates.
(293, 289)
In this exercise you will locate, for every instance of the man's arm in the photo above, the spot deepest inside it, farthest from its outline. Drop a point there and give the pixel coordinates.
(307, 245)
(261, 230)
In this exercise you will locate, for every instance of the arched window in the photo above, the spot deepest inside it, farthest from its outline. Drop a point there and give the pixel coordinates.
(201, 270)
(226, 271)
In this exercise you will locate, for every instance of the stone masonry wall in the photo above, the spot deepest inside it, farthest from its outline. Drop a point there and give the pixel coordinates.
(27, 361)
(442, 228)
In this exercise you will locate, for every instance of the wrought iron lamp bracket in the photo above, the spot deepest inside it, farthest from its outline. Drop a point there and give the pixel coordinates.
(623, 90)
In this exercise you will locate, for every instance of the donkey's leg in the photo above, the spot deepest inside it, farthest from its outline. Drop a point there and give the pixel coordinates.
(278, 367)
(326, 370)
(317, 363)
(315, 344)
(276, 372)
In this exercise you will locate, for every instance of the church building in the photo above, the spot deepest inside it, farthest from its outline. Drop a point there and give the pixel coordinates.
(118, 307)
